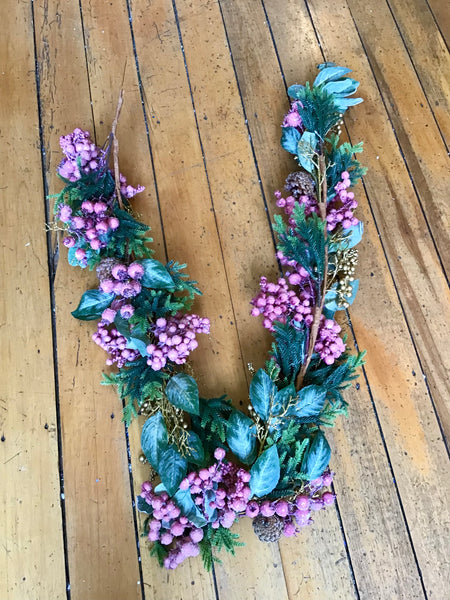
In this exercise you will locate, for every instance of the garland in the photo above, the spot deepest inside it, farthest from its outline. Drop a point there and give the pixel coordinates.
(210, 463)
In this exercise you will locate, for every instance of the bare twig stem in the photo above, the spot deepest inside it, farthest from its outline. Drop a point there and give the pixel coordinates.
(322, 192)
(116, 149)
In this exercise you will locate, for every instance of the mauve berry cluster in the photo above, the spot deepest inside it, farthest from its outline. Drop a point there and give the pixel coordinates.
(340, 208)
(79, 148)
(175, 339)
(115, 345)
(124, 280)
(169, 527)
(276, 302)
(298, 511)
(293, 118)
(329, 344)
(220, 492)
(289, 203)
(91, 227)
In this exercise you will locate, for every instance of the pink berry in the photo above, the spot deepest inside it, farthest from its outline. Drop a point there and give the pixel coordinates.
(282, 508)
(302, 502)
(328, 498)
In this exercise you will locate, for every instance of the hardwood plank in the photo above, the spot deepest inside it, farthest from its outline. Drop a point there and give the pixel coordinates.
(441, 12)
(410, 252)
(101, 537)
(32, 550)
(161, 55)
(109, 32)
(407, 107)
(411, 433)
(428, 53)
(248, 251)
(293, 29)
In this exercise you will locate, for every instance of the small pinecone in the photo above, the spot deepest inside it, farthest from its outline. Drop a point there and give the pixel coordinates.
(268, 529)
(104, 268)
(300, 184)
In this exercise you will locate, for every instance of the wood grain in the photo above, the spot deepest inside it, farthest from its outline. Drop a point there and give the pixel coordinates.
(30, 514)
(210, 77)
(97, 488)
(429, 55)
(401, 402)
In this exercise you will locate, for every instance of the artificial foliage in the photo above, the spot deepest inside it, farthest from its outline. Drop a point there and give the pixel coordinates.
(209, 462)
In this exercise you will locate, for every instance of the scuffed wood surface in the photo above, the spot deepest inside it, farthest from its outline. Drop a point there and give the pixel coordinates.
(205, 92)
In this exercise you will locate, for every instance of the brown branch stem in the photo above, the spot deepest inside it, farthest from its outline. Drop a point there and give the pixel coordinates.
(116, 149)
(322, 192)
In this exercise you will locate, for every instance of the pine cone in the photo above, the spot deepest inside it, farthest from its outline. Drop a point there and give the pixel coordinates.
(300, 184)
(268, 529)
(104, 268)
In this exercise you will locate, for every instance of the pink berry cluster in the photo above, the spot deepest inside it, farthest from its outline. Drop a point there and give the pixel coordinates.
(91, 227)
(115, 345)
(224, 486)
(289, 203)
(276, 302)
(228, 485)
(124, 280)
(293, 118)
(78, 148)
(128, 190)
(296, 513)
(170, 528)
(329, 344)
(299, 276)
(340, 208)
(175, 339)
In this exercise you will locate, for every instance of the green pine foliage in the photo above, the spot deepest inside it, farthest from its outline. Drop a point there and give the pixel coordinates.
(130, 237)
(288, 350)
(335, 378)
(183, 285)
(217, 539)
(317, 110)
(341, 158)
(211, 425)
(291, 446)
(159, 551)
(136, 383)
(91, 185)
(305, 243)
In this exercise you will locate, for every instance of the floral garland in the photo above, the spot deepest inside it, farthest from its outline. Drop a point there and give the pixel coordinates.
(212, 463)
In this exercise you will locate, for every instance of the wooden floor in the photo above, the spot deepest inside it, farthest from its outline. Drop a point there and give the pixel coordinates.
(205, 91)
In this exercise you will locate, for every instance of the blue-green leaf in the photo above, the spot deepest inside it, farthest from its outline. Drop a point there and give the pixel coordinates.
(143, 506)
(196, 453)
(92, 304)
(172, 469)
(262, 391)
(241, 437)
(289, 139)
(345, 86)
(185, 502)
(311, 400)
(135, 340)
(265, 473)
(317, 458)
(295, 90)
(156, 275)
(182, 392)
(211, 513)
(306, 149)
(330, 73)
(343, 103)
(282, 399)
(154, 440)
(354, 234)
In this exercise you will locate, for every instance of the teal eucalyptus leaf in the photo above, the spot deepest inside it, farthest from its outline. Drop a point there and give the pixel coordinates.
(265, 473)
(172, 469)
(154, 439)
(262, 392)
(241, 437)
(92, 304)
(156, 275)
(289, 139)
(182, 392)
(317, 458)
